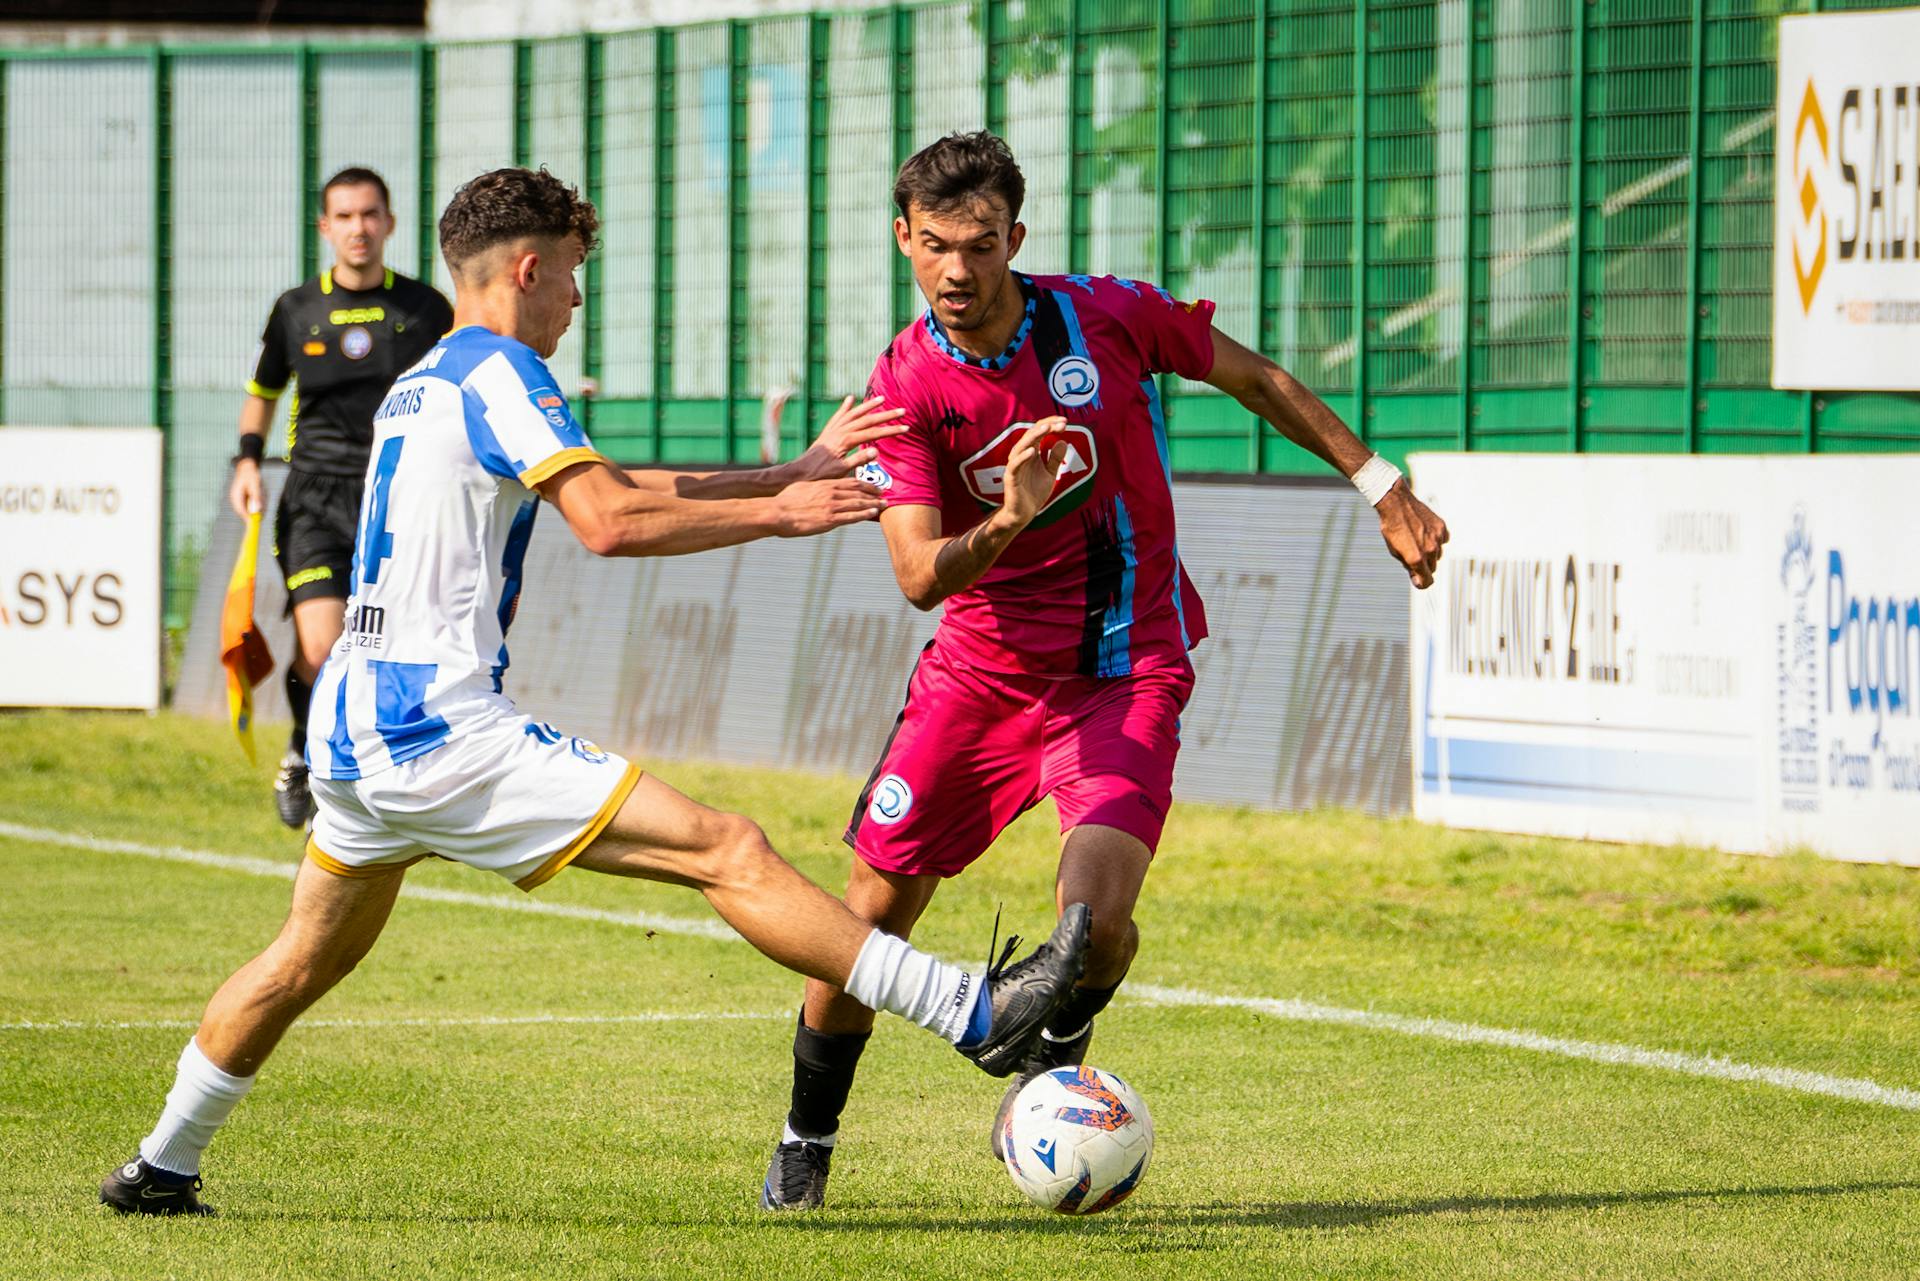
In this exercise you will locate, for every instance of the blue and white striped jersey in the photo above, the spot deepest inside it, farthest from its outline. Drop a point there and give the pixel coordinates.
(459, 442)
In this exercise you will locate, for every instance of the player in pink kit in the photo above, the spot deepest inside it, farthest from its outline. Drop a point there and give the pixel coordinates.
(1032, 495)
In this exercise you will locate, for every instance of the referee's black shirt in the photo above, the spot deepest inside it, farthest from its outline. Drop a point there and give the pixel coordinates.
(343, 348)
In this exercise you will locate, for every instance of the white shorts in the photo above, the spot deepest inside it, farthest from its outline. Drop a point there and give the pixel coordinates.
(516, 797)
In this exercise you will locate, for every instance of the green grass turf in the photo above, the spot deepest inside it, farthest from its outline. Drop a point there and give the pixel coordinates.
(1284, 1149)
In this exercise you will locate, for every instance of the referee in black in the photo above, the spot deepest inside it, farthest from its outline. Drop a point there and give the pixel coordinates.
(340, 341)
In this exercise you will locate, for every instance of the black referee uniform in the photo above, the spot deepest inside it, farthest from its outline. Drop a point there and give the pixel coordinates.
(341, 349)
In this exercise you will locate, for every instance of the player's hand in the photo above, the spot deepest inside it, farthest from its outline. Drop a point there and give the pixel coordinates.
(244, 493)
(815, 506)
(1414, 534)
(844, 444)
(1032, 468)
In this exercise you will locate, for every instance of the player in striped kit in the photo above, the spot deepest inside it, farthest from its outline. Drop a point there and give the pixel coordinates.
(416, 751)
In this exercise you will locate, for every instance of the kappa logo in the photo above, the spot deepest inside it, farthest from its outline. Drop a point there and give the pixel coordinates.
(892, 798)
(355, 343)
(874, 474)
(985, 473)
(1073, 381)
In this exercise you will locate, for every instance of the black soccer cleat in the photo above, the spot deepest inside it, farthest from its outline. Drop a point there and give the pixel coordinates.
(1025, 995)
(291, 795)
(136, 1188)
(797, 1179)
(1046, 1056)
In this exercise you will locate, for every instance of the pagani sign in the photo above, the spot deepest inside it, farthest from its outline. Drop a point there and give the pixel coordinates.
(1846, 298)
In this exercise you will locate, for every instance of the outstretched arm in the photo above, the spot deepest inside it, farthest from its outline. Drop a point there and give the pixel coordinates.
(843, 447)
(1414, 534)
(612, 516)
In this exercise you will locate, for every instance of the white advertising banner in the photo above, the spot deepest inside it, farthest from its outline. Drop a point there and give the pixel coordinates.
(1846, 243)
(80, 567)
(1720, 651)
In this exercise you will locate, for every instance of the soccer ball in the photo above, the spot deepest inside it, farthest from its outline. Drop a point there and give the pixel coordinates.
(1077, 1140)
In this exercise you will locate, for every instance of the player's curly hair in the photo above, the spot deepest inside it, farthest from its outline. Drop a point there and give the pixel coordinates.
(503, 205)
(950, 174)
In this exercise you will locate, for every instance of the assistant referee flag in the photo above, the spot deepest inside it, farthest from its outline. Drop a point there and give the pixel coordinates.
(243, 650)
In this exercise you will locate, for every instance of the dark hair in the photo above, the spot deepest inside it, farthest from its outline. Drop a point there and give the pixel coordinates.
(957, 170)
(356, 176)
(506, 204)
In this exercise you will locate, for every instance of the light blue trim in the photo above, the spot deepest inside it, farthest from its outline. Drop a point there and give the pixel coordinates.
(346, 767)
(1076, 339)
(937, 332)
(399, 708)
(1116, 628)
(1159, 418)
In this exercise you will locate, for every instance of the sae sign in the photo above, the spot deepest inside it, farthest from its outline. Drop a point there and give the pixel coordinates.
(1723, 651)
(80, 567)
(1846, 244)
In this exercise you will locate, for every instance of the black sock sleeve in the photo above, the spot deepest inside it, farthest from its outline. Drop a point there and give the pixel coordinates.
(823, 1068)
(1078, 1011)
(299, 694)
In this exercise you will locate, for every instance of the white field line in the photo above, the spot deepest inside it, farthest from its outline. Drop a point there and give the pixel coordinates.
(479, 1020)
(285, 871)
(1855, 1089)
(1840, 1087)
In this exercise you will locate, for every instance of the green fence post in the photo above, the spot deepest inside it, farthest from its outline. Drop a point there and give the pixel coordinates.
(663, 184)
(1257, 443)
(309, 94)
(739, 232)
(593, 117)
(163, 314)
(522, 103)
(1360, 184)
(900, 47)
(819, 42)
(1076, 215)
(992, 83)
(1162, 214)
(1469, 101)
(425, 73)
(1696, 305)
(1576, 248)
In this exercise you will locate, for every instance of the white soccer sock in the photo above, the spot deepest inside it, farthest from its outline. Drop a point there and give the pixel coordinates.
(198, 1104)
(790, 1135)
(891, 975)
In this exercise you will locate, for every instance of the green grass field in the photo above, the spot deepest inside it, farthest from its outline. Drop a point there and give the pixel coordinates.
(411, 1132)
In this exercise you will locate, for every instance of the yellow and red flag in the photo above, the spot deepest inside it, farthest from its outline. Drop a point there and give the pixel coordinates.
(243, 650)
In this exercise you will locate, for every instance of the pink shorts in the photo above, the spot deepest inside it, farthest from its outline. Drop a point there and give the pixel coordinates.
(975, 749)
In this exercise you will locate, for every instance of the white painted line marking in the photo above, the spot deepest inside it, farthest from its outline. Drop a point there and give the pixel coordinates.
(478, 1020)
(1856, 1089)
(285, 871)
(1840, 1087)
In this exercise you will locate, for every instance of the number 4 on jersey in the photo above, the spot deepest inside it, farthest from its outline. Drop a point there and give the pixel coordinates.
(375, 545)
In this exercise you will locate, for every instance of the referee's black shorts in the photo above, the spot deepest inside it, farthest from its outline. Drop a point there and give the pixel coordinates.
(313, 530)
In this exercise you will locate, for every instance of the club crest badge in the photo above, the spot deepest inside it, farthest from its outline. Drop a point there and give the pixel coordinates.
(1073, 381)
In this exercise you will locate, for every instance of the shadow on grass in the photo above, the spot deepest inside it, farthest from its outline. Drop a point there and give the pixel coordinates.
(1294, 1215)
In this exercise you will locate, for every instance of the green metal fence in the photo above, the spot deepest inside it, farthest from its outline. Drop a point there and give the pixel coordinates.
(1489, 224)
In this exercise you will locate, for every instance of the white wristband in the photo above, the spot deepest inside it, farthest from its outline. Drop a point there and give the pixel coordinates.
(1375, 477)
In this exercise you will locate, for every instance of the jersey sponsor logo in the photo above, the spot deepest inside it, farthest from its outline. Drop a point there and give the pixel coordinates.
(356, 343)
(367, 626)
(874, 474)
(356, 315)
(892, 798)
(553, 405)
(985, 473)
(1073, 381)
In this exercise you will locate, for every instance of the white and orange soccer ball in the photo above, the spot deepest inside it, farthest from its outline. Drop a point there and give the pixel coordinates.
(1077, 1140)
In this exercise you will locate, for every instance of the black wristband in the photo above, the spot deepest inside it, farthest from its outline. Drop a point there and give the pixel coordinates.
(252, 446)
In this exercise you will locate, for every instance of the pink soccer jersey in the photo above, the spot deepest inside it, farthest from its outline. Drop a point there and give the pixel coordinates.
(1094, 586)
